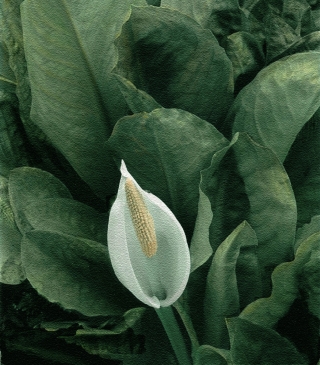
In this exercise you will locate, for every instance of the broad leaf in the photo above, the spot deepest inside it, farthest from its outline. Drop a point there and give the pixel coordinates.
(279, 101)
(74, 272)
(28, 184)
(181, 65)
(222, 295)
(289, 280)
(255, 345)
(165, 150)
(67, 216)
(273, 212)
(225, 190)
(69, 79)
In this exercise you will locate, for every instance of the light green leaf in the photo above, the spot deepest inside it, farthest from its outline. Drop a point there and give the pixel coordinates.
(165, 150)
(67, 216)
(222, 296)
(177, 62)
(252, 344)
(11, 271)
(74, 272)
(69, 61)
(27, 185)
(138, 101)
(274, 107)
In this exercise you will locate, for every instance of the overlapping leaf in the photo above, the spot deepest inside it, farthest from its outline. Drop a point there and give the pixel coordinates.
(279, 101)
(181, 65)
(74, 272)
(222, 295)
(165, 150)
(68, 76)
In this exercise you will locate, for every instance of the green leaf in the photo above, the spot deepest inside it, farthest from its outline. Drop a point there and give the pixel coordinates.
(176, 61)
(13, 40)
(209, 355)
(74, 272)
(279, 35)
(267, 312)
(138, 101)
(7, 77)
(270, 111)
(307, 230)
(302, 165)
(252, 344)
(222, 296)
(28, 184)
(200, 248)
(12, 149)
(273, 212)
(222, 17)
(246, 54)
(117, 343)
(66, 56)
(67, 216)
(165, 150)
(225, 189)
(11, 271)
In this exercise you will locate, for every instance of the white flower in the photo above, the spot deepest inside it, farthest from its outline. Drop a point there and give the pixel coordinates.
(147, 245)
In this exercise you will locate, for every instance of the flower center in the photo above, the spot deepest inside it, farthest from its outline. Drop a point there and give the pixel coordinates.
(141, 218)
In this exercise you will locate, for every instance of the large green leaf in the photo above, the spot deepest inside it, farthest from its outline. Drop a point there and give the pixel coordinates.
(27, 185)
(181, 65)
(165, 151)
(11, 271)
(222, 295)
(255, 345)
(273, 211)
(74, 272)
(67, 216)
(279, 101)
(246, 181)
(224, 188)
(69, 61)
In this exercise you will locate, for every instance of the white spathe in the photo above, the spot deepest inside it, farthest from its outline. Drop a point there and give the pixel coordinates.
(157, 281)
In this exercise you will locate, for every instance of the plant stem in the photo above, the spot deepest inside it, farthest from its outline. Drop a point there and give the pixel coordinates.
(174, 334)
(187, 323)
